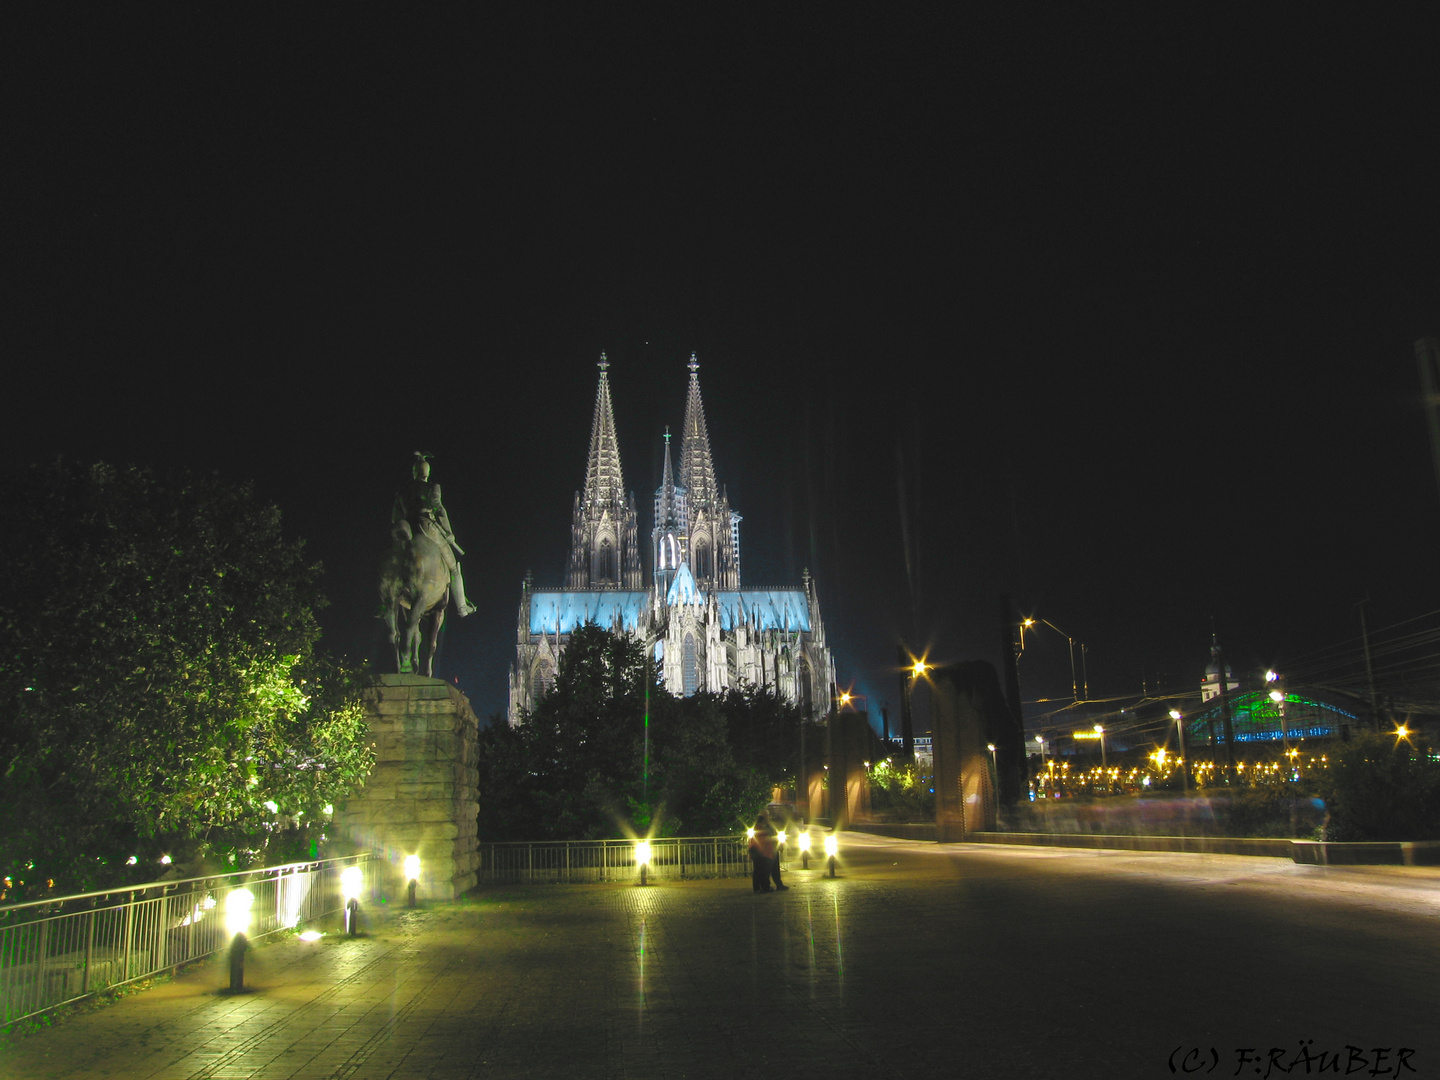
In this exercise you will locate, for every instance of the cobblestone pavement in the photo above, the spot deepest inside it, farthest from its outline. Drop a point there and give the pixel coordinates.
(916, 961)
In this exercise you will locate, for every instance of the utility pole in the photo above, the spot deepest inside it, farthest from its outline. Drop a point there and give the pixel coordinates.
(1369, 668)
(1016, 778)
(907, 723)
(1225, 711)
(1427, 355)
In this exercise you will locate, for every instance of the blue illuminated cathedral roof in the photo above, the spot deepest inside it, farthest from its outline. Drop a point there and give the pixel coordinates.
(765, 609)
(683, 589)
(564, 612)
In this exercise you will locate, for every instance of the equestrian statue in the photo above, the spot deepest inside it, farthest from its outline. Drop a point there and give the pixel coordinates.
(420, 574)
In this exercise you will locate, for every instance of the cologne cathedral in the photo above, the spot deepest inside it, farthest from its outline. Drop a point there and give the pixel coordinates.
(708, 632)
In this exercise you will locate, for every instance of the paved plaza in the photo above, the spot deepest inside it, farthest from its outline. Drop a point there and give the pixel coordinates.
(918, 960)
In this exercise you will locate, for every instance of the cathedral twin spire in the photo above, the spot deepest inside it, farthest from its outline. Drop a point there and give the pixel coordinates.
(697, 469)
(605, 549)
(693, 521)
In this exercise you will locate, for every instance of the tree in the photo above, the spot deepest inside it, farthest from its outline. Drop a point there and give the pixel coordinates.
(1382, 787)
(574, 768)
(158, 679)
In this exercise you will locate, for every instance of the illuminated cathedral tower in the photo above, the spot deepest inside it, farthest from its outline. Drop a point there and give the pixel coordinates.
(604, 545)
(705, 632)
(713, 540)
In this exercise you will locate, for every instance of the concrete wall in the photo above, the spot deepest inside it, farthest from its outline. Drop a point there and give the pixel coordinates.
(421, 797)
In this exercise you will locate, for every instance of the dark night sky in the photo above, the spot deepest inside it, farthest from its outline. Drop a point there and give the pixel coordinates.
(1127, 297)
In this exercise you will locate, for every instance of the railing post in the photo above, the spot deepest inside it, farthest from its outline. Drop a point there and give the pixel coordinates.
(129, 932)
(89, 952)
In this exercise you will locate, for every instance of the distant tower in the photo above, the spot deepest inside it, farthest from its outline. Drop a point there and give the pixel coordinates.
(670, 537)
(605, 550)
(1210, 685)
(713, 543)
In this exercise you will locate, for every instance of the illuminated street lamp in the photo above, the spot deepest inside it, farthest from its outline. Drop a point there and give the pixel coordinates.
(237, 921)
(352, 881)
(911, 669)
(1074, 684)
(1179, 718)
(642, 857)
(1100, 734)
(412, 875)
(832, 848)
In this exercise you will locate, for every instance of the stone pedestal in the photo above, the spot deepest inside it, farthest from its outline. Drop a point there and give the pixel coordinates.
(421, 797)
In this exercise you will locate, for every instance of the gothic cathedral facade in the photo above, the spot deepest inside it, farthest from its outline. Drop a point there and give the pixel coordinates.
(707, 631)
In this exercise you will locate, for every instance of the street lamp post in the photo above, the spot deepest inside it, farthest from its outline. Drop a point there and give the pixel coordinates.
(1074, 682)
(910, 670)
(1179, 718)
(1277, 695)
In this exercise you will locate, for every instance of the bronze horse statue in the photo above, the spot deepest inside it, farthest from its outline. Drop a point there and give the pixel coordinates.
(414, 586)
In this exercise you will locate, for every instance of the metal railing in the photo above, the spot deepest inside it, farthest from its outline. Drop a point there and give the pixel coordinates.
(614, 860)
(56, 951)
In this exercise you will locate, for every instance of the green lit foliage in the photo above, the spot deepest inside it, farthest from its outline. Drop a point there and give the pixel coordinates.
(158, 682)
(901, 792)
(1382, 787)
(575, 767)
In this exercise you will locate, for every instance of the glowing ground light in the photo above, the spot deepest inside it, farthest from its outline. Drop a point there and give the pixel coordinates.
(804, 841)
(642, 852)
(352, 881)
(412, 867)
(311, 935)
(238, 905)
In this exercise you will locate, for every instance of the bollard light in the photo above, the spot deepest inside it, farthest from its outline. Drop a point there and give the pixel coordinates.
(412, 874)
(642, 857)
(238, 905)
(805, 849)
(832, 848)
(352, 881)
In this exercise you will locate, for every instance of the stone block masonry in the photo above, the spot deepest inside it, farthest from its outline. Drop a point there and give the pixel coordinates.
(421, 797)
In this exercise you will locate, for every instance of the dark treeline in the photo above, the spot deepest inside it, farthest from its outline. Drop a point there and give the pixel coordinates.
(575, 769)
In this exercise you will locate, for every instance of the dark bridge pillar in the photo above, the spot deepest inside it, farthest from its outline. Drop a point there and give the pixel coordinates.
(966, 703)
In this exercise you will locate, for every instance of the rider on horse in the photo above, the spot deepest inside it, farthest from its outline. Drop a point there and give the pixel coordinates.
(419, 508)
